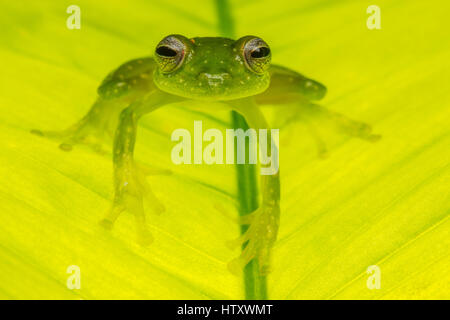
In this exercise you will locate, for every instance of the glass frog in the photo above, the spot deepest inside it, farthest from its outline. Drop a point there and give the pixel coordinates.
(238, 74)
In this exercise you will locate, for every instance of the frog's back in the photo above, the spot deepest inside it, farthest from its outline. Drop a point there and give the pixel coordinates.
(132, 76)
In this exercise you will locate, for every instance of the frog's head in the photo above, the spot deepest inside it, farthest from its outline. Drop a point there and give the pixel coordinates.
(212, 68)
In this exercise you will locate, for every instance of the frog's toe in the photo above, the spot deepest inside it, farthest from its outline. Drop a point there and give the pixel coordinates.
(372, 137)
(66, 147)
(253, 250)
(84, 135)
(354, 128)
(98, 148)
(242, 220)
(233, 244)
(51, 134)
(358, 129)
(144, 237)
(257, 239)
(67, 143)
(133, 205)
(143, 170)
(106, 223)
(37, 132)
(237, 265)
(151, 200)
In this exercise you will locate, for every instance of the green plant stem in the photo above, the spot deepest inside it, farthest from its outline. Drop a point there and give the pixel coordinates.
(255, 284)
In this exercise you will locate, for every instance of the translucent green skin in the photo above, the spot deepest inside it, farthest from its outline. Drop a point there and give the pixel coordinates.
(213, 70)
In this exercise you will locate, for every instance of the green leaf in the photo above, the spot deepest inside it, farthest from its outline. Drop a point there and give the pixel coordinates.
(385, 204)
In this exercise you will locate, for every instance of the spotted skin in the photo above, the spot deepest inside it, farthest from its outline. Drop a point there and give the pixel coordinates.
(236, 73)
(135, 75)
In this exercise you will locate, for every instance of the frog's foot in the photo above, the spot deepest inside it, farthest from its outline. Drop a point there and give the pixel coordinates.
(354, 128)
(93, 130)
(68, 138)
(316, 117)
(258, 239)
(341, 123)
(131, 191)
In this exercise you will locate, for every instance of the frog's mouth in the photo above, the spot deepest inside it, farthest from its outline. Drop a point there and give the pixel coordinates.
(213, 80)
(211, 86)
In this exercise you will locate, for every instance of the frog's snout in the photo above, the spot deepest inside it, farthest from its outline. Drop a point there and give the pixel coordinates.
(214, 79)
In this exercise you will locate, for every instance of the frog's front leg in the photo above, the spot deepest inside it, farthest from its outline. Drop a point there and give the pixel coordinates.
(94, 129)
(130, 186)
(264, 221)
(293, 93)
(128, 83)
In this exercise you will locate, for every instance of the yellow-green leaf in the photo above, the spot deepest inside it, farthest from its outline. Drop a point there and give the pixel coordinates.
(385, 204)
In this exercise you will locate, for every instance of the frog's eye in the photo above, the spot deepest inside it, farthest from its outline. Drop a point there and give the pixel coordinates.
(166, 52)
(256, 54)
(170, 53)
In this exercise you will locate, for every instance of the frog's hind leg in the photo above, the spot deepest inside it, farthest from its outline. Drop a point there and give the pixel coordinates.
(318, 119)
(292, 93)
(92, 130)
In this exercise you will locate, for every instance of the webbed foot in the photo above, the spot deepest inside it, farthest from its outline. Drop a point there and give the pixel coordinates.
(131, 191)
(316, 117)
(258, 239)
(67, 139)
(93, 130)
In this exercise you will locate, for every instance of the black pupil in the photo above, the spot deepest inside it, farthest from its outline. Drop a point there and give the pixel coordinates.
(260, 52)
(166, 51)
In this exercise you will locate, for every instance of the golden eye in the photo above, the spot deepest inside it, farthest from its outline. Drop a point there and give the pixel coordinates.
(170, 53)
(256, 53)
